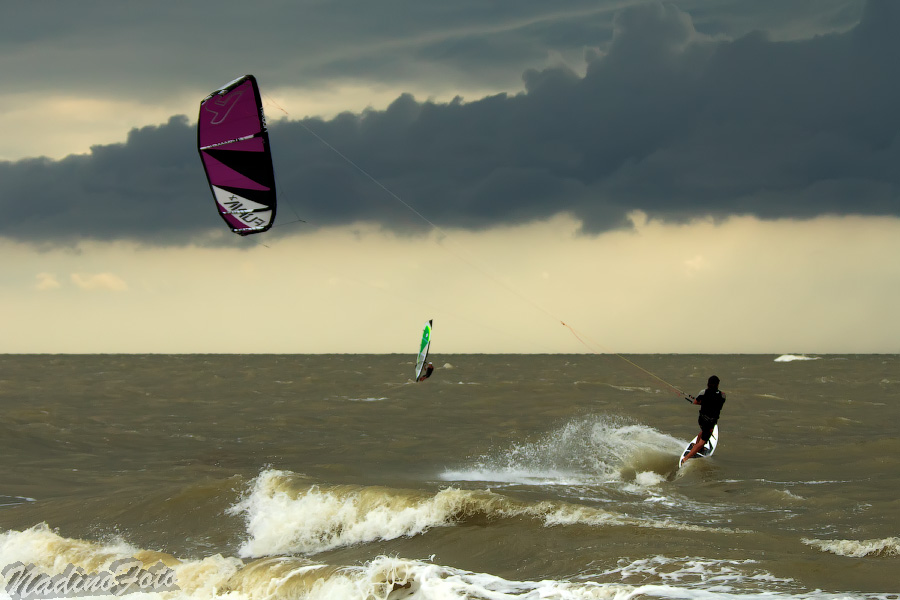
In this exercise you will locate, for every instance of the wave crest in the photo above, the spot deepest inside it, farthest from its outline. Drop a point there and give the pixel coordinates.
(858, 548)
(310, 518)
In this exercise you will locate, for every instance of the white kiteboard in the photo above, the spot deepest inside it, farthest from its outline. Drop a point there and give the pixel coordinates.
(707, 450)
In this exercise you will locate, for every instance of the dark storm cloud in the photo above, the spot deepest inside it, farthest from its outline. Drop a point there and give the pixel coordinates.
(147, 189)
(665, 120)
(152, 51)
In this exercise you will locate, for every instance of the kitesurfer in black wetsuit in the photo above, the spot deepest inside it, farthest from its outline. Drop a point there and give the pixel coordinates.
(710, 400)
(428, 371)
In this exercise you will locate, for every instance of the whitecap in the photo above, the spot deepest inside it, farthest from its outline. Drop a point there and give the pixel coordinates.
(858, 548)
(795, 357)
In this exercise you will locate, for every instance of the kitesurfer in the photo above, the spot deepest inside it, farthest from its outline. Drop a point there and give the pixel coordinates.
(427, 373)
(710, 400)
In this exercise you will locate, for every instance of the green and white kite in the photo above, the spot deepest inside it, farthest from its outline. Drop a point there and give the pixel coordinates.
(422, 359)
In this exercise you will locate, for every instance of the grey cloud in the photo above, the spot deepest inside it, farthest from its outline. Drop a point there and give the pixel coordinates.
(157, 50)
(667, 120)
(797, 19)
(153, 49)
(143, 189)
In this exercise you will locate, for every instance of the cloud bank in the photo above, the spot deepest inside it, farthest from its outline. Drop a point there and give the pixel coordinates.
(664, 119)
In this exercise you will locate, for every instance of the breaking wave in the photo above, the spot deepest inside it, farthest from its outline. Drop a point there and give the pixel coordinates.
(286, 515)
(394, 578)
(858, 549)
(795, 357)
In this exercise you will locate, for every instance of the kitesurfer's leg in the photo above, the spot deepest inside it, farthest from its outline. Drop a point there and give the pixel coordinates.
(701, 439)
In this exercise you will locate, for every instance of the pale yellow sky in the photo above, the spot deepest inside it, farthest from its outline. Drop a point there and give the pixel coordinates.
(827, 285)
(740, 285)
(59, 125)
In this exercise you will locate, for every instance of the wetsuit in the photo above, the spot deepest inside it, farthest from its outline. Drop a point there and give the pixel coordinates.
(710, 407)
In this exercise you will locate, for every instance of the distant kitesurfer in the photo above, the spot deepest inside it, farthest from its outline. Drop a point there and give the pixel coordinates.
(710, 400)
(429, 369)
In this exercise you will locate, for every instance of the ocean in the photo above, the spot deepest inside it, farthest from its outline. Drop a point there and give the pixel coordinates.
(500, 477)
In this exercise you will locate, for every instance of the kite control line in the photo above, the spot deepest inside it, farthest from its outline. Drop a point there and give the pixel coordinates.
(633, 364)
(494, 278)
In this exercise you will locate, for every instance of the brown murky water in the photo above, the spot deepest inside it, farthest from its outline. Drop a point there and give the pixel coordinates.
(514, 476)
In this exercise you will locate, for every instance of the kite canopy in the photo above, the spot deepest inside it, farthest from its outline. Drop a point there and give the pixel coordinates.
(234, 145)
(423, 349)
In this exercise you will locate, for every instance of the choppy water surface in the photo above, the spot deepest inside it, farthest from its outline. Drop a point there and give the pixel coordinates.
(500, 477)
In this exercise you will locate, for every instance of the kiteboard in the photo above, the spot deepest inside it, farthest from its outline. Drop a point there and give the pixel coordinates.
(707, 450)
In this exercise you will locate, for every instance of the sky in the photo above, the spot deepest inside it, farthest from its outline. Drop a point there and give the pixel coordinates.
(696, 176)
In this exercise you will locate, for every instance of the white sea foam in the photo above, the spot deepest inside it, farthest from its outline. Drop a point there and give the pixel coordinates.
(514, 476)
(394, 578)
(680, 577)
(586, 451)
(391, 578)
(426, 581)
(51, 554)
(649, 478)
(858, 548)
(795, 357)
(282, 519)
(791, 496)
(46, 549)
(284, 516)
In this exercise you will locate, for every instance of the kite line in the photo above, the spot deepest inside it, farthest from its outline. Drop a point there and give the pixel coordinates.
(464, 259)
